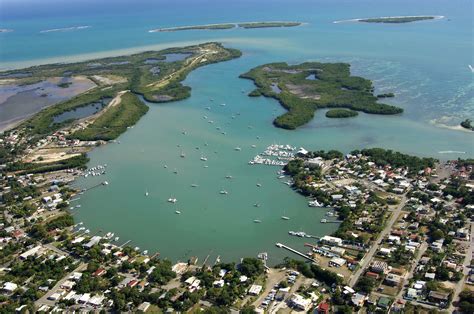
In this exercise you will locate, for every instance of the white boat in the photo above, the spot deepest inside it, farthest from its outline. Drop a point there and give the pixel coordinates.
(165, 166)
(182, 155)
(172, 200)
(314, 203)
(194, 185)
(146, 193)
(116, 239)
(137, 248)
(237, 148)
(324, 220)
(259, 184)
(222, 105)
(175, 171)
(471, 68)
(145, 252)
(285, 218)
(105, 183)
(257, 221)
(178, 212)
(78, 206)
(256, 205)
(203, 158)
(228, 177)
(224, 192)
(253, 146)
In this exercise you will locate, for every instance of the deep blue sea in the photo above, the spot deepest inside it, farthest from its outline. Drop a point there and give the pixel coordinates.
(424, 63)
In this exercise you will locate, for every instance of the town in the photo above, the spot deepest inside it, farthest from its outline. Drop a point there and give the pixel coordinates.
(403, 243)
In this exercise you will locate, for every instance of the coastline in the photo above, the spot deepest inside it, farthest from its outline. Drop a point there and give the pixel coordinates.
(435, 17)
(204, 26)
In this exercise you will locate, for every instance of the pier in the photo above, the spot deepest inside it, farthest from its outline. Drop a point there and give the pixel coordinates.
(296, 252)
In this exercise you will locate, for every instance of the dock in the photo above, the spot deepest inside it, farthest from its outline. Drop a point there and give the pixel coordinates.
(125, 243)
(296, 252)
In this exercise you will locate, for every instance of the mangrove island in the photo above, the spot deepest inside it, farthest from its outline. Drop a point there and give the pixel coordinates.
(303, 88)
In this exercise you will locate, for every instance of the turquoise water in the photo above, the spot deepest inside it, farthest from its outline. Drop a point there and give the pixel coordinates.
(424, 64)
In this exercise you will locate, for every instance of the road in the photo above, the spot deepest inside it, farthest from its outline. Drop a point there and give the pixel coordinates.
(368, 257)
(466, 263)
(274, 277)
(44, 299)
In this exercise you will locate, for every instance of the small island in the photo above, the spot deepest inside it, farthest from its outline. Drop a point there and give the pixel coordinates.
(303, 88)
(224, 26)
(341, 113)
(397, 19)
(467, 124)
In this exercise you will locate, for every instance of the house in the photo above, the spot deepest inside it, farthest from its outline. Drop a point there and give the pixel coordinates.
(379, 267)
(96, 300)
(255, 289)
(143, 307)
(32, 252)
(99, 272)
(384, 302)
(393, 280)
(9, 287)
(68, 285)
(323, 308)
(438, 297)
(219, 283)
(300, 303)
(93, 241)
(372, 275)
(411, 294)
(430, 276)
(358, 299)
(84, 298)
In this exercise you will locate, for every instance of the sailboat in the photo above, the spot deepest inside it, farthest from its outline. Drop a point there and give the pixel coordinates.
(284, 217)
(257, 221)
(146, 193)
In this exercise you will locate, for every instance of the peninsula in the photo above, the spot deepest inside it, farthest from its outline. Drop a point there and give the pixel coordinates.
(303, 88)
(223, 26)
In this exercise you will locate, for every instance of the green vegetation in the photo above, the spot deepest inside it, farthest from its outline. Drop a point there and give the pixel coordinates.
(196, 27)
(137, 73)
(64, 84)
(268, 24)
(314, 271)
(70, 163)
(115, 120)
(396, 20)
(341, 113)
(467, 124)
(305, 87)
(466, 301)
(386, 95)
(223, 26)
(384, 157)
(61, 222)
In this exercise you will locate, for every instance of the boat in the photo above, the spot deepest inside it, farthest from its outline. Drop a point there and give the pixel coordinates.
(228, 177)
(259, 184)
(105, 183)
(206, 166)
(314, 203)
(256, 205)
(224, 192)
(253, 145)
(324, 220)
(175, 171)
(182, 155)
(178, 212)
(78, 206)
(146, 193)
(203, 158)
(285, 218)
(194, 185)
(116, 239)
(137, 248)
(471, 68)
(172, 200)
(237, 148)
(165, 166)
(145, 252)
(257, 221)
(222, 105)
(208, 108)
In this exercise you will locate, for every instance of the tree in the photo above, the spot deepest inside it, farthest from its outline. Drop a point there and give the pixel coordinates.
(251, 267)
(365, 284)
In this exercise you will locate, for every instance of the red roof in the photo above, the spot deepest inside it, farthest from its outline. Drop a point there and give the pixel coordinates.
(323, 307)
(99, 272)
(371, 274)
(132, 283)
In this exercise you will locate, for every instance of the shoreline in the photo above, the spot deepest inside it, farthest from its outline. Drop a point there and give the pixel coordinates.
(435, 17)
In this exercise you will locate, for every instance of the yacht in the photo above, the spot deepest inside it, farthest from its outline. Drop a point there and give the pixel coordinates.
(222, 105)
(285, 218)
(105, 183)
(259, 184)
(314, 203)
(224, 192)
(178, 212)
(145, 252)
(116, 239)
(182, 155)
(175, 171)
(256, 205)
(253, 145)
(324, 220)
(228, 177)
(238, 148)
(257, 221)
(203, 158)
(172, 200)
(146, 193)
(194, 185)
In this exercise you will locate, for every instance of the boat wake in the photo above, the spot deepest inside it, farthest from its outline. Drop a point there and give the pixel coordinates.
(66, 29)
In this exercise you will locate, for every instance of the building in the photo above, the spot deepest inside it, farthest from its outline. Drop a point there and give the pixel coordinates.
(438, 297)
(331, 240)
(393, 280)
(379, 267)
(255, 290)
(323, 308)
(337, 262)
(384, 302)
(93, 241)
(9, 287)
(143, 307)
(300, 303)
(32, 252)
(358, 299)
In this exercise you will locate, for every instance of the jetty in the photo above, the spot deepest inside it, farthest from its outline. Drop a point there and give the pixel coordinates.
(280, 245)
